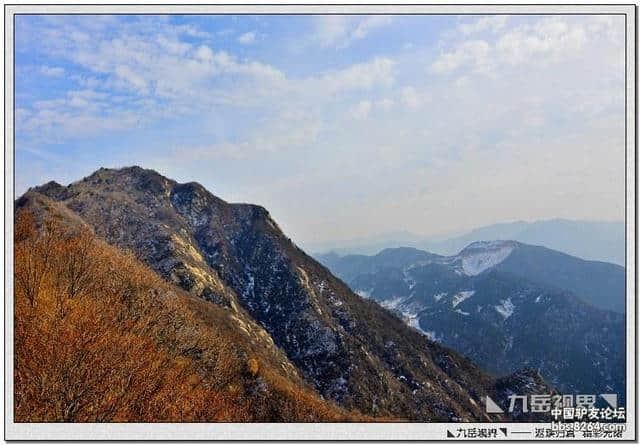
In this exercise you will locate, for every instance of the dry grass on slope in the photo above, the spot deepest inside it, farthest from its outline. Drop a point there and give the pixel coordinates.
(101, 338)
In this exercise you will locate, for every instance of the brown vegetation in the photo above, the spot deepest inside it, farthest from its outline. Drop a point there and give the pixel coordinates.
(101, 338)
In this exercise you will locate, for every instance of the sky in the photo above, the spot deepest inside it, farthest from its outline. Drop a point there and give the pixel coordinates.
(341, 126)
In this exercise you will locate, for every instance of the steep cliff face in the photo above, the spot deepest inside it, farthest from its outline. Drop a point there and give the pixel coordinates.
(235, 256)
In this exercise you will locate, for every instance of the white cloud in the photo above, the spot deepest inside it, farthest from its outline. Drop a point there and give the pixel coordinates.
(157, 62)
(331, 28)
(364, 108)
(224, 32)
(291, 130)
(412, 98)
(75, 118)
(491, 23)
(342, 30)
(204, 53)
(533, 119)
(378, 72)
(609, 27)
(85, 98)
(173, 45)
(361, 110)
(247, 38)
(544, 42)
(189, 30)
(473, 54)
(187, 80)
(385, 104)
(370, 23)
(52, 71)
(125, 73)
(547, 41)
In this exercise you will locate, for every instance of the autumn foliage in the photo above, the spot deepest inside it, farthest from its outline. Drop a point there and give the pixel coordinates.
(101, 338)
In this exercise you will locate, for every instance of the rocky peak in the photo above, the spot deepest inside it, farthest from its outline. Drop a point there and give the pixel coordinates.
(52, 189)
(131, 178)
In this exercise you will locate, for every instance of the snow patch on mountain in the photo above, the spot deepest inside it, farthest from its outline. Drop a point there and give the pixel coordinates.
(364, 293)
(508, 344)
(505, 308)
(483, 255)
(408, 278)
(393, 303)
(439, 296)
(431, 335)
(413, 321)
(461, 296)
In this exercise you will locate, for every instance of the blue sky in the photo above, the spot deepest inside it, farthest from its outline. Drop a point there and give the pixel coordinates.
(342, 126)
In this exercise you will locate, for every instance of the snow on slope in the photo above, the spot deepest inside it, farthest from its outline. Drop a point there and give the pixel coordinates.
(439, 296)
(461, 296)
(505, 308)
(482, 255)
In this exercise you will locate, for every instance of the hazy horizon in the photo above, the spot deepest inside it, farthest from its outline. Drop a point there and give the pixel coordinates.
(343, 127)
(446, 235)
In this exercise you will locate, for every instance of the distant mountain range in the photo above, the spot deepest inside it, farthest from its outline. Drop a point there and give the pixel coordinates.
(593, 240)
(306, 324)
(506, 304)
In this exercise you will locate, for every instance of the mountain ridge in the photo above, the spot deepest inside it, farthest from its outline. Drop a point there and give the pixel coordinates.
(598, 283)
(488, 300)
(234, 255)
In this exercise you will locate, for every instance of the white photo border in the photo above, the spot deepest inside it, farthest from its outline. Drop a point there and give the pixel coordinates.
(309, 431)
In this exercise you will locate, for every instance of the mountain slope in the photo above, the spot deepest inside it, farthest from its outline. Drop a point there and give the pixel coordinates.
(101, 338)
(235, 256)
(600, 284)
(487, 306)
